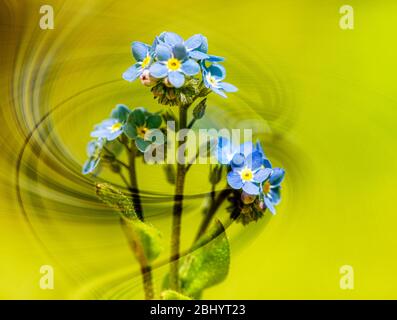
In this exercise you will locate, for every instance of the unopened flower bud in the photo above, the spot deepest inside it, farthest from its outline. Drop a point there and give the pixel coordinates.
(147, 79)
(247, 198)
(168, 83)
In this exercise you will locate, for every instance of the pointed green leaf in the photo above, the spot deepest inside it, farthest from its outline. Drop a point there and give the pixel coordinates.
(208, 264)
(173, 295)
(199, 110)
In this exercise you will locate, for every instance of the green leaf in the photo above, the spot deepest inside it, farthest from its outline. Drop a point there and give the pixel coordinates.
(153, 121)
(137, 116)
(116, 199)
(208, 264)
(144, 239)
(199, 110)
(173, 295)
(142, 144)
(130, 129)
(121, 112)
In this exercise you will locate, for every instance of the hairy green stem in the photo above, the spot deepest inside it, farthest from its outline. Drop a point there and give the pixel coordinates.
(177, 211)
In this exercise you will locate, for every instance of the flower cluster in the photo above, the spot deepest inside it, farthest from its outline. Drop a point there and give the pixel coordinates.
(170, 63)
(122, 126)
(251, 173)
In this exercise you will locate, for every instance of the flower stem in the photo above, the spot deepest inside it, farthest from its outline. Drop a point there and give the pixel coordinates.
(146, 269)
(136, 199)
(177, 211)
(215, 204)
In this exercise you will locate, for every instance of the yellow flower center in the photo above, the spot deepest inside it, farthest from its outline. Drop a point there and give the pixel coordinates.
(146, 61)
(116, 127)
(173, 64)
(246, 174)
(266, 187)
(141, 131)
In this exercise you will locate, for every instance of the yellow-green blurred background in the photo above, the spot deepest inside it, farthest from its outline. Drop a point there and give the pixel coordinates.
(322, 100)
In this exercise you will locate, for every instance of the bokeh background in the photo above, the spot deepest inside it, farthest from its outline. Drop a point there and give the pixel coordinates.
(322, 100)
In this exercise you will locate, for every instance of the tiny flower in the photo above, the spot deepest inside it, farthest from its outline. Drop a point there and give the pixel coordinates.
(213, 76)
(111, 128)
(139, 123)
(270, 189)
(173, 61)
(143, 55)
(247, 173)
(94, 150)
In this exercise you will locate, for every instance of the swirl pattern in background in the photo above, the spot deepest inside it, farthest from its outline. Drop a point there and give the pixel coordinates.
(321, 99)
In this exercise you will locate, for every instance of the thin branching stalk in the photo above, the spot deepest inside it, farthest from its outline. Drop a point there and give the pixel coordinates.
(215, 204)
(177, 211)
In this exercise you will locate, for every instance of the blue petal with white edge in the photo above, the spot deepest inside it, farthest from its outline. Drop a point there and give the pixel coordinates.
(228, 87)
(270, 206)
(261, 175)
(238, 161)
(176, 78)
(172, 38)
(194, 42)
(158, 70)
(139, 50)
(132, 73)
(251, 188)
(190, 67)
(275, 195)
(234, 180)
(198, 55)
(254, 160)
(213, 58)
(217, 71)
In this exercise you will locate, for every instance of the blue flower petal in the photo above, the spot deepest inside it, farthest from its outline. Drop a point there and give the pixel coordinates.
(246, 148)
(163, 52)
(158, 70)
(238, 161)
(204, 45)
(132, 73)
(261, 175)
(251, 188)
(139, 50)
(217, 71)
(90, 165)
(198, 55)
(270, 206)
(255, 160)
(228, 87)
(190, 67)
(234, 180)
(275, 195)
(212, 58)
(219, 92)
(194, 42)
(179, 51)
(172, 38)
(176, 78)
(277, 177)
